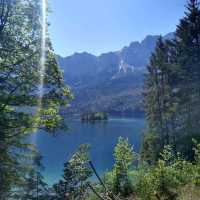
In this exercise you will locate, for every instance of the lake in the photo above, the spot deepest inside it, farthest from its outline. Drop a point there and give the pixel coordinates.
(102, 137)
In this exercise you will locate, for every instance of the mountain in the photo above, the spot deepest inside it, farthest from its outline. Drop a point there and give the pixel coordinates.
(111, 82)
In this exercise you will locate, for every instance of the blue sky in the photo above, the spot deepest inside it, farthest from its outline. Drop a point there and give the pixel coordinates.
(99, 26)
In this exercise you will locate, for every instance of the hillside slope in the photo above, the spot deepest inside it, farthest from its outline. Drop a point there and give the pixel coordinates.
(111, 82)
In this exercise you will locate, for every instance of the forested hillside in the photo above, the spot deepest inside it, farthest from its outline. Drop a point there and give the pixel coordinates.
(112, 82)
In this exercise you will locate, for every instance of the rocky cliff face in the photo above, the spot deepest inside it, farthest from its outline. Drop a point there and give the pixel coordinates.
(111, 82)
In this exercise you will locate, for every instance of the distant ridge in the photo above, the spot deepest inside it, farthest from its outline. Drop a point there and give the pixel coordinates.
(111, 82)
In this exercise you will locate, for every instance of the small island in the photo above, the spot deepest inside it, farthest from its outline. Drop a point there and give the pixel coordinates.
(95, 116)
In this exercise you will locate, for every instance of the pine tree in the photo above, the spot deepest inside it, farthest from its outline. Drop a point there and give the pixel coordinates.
(35, 187)
(76, 175)
(158, 101)
(124, 158)
(188, 58)
(173, 89)
(20, 52)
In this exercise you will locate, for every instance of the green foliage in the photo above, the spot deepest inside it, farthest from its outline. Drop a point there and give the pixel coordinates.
(20, 87)
(34, 187)
(124, 158)
(172, 90)
(76, 175)
(170, 178)
(150, 148)
(124, 154)
(197, 161)
(167, 177)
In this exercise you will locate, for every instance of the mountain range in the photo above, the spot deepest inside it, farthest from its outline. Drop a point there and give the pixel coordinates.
(111, 82)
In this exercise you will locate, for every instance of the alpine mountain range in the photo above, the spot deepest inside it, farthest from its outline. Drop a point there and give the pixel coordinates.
(111, 82)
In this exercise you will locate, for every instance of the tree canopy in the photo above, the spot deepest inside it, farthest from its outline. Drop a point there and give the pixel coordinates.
(23, 110)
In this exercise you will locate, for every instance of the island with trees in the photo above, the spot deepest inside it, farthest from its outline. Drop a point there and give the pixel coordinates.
(93, 117)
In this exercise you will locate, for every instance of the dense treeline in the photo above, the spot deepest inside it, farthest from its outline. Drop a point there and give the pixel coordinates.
(20, 94)
(172, 90)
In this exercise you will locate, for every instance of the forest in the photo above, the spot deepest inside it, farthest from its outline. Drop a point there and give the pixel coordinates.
(33, 93)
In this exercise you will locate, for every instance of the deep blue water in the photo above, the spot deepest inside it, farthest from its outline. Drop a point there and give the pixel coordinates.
(102, 137)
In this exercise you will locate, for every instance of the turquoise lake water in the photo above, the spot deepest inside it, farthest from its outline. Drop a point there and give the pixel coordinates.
(102, 137)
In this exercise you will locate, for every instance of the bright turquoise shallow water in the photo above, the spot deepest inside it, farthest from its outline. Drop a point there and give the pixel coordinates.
(101, 136)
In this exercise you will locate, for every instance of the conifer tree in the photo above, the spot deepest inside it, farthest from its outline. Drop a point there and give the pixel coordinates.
(74, 184)
(187, 45)
(20, 83)
(158, 104)
(34, 187)
(172, 89)
(124, 158)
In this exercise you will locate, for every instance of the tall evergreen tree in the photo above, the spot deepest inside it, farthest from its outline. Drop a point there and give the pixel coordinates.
(34, 187)
(158, 104)
(187, 45)
(124, 158)
(20, 55)
(74, 184)
(173, 89)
